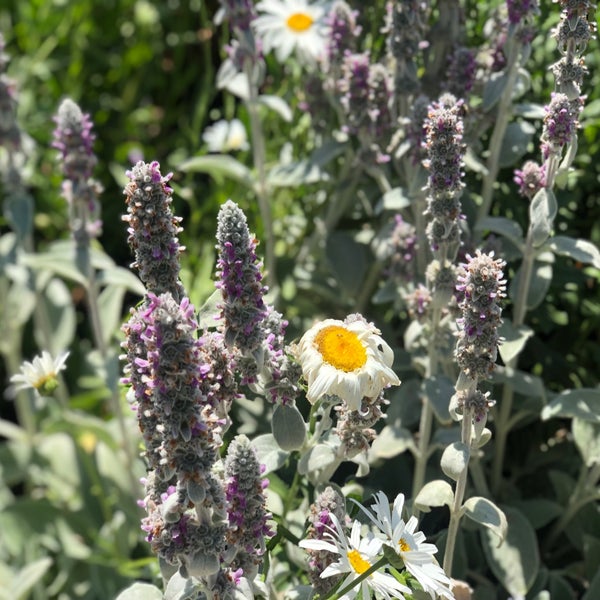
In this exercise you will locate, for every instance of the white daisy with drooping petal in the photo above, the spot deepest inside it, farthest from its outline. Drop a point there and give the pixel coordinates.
(410, 545)
(356, 554)
(224, 136)
(288, 25)
(347, 358)
(41, 373)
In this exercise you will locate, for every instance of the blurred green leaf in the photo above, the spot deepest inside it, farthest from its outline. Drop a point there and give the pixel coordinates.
(391, 441)
(348, 261)
(269, 452)
(439, 389)
(289, 429)
(582, 403)
(140, 591)
(516, 141)
(504, 227)
(516, 562)
(277, 104)
(513, 340)
(579, 250)
(59, 313)
(587, 438)
(219, 166)
(542, 212)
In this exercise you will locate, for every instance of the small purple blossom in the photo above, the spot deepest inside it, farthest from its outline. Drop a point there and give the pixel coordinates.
(343, 34)
(560, 123)
(521, 10)
(462, 68)
(530, 179)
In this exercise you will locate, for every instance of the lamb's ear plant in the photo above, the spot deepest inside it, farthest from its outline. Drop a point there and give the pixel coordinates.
(371, 411)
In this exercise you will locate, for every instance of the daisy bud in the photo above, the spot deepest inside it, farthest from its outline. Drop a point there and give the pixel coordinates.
(482, 286)
(153, 229)
(244, 490)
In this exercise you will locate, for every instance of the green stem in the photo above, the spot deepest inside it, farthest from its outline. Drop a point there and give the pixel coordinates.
(338, 594)
(259, 156)
(23, 400)
(459, 494)
(502, 117)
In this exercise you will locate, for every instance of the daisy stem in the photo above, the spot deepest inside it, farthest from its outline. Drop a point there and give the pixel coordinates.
(459, 494)
(382, 562)
(259, 156)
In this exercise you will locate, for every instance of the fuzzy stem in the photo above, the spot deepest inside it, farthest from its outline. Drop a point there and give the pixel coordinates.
(520, 310)
(459, 494)
(259, 156)
(502, 117)
(426, 421)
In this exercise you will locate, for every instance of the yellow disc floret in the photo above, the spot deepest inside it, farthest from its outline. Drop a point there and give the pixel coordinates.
(404, 546)
(341, 348)
(299, 22)
(357, 562)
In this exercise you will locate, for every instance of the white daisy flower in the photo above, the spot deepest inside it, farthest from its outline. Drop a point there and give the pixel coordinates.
(292, 24)
(410, 545)
(41, 373)
(356, 554)
(224, 136)
(346, 358)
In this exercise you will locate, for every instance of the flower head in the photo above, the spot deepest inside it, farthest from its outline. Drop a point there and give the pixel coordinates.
(346, 358)
(288, 25)
(409, 543)
(40, 374)
(356, 555)
(225, 136)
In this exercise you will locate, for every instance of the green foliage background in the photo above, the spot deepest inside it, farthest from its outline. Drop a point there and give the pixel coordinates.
(145, 72)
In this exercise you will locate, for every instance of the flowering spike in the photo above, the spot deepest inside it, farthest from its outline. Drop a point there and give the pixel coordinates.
(243, 309)
(153, 229)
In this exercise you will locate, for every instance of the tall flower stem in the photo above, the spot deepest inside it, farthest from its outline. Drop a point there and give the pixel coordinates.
(503, 417)
(502, 118)
(426, 421)
(259, 156)
(459, 494)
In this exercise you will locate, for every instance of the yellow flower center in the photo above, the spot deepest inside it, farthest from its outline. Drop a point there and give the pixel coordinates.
(404, 545)
(299, 22)
(357, 562)
(341, 348)
(46, 384)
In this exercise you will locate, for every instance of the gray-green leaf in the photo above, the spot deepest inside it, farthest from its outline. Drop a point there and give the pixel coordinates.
(542, 212)
(583, 403)
(486, 513)
(455, 460)
(434, 493)
(579, 250)
(516, 562)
